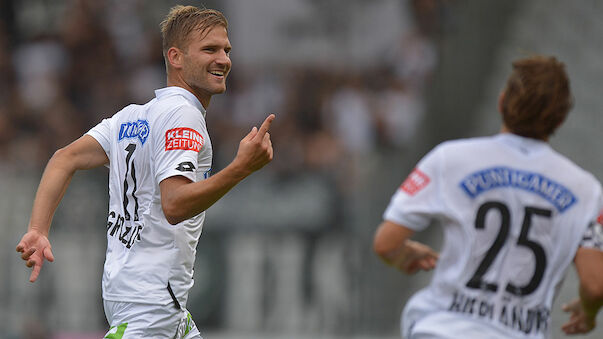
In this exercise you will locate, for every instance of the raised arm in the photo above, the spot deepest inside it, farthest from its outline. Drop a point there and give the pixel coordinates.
(182, 199)
(392, 244)
(84, 153)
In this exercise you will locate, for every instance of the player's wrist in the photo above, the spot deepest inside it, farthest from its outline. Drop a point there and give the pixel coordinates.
(38, 229)
(238, 171)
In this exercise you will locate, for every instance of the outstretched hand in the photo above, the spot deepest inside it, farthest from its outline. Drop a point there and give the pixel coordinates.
(579, 322)
(255, 149)
(417, 256)
(34, 248)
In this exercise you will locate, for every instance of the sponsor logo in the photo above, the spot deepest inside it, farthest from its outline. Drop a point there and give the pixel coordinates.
(415, 182)
(498, 177)
(134, 129)
(186, 167)
(183, 138)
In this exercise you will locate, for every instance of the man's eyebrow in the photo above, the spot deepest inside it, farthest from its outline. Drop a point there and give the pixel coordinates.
(215, 45)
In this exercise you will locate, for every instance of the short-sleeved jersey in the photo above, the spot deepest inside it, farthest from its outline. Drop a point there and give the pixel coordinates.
(146, 144)
(513, 212)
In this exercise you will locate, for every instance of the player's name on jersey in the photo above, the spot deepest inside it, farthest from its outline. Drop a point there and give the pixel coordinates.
(498, 177)
(526, 320)
(127, 233)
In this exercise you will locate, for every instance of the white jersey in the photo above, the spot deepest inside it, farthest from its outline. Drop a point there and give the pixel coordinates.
(146, 144)
(513, 212)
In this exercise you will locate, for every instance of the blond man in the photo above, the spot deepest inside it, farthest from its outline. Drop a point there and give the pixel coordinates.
(159, 157)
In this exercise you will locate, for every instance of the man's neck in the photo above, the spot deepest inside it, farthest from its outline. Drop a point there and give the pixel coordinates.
(179, 82)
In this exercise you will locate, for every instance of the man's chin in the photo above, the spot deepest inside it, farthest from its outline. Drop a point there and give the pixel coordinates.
(220, 90)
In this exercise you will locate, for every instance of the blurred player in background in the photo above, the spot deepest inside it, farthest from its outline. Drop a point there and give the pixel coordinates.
(514, 212)
(159, 157)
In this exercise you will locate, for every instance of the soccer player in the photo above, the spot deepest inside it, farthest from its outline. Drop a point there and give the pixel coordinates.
(159, 157)
(514, 213)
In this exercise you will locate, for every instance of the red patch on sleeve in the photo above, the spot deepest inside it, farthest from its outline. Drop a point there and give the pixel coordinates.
(600, 218)
(415, 182)
(183, 138)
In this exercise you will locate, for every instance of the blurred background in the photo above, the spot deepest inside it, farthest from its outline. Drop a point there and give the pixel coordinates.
(361, 90)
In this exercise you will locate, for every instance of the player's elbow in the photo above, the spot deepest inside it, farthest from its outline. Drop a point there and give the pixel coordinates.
(62, 154)
(172, 212)
(173, 219)
(63, 159)
(382, 248)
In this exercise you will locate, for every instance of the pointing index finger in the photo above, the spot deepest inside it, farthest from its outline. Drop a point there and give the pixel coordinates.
(265, 126)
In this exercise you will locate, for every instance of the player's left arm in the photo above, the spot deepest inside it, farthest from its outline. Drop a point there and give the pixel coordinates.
(84, 153)
(392, 244)
(182, 199)
(589, 266)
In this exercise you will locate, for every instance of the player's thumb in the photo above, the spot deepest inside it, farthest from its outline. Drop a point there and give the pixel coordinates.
(48, 254)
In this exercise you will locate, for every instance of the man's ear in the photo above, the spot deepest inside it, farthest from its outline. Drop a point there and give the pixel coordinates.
(174, 57)
(501, 98)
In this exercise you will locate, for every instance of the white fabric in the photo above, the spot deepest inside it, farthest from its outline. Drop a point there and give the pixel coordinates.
(146, 144)
(535, 201)
(144, 321)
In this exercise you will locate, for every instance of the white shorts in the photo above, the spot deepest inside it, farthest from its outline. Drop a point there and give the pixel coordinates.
(142, 321)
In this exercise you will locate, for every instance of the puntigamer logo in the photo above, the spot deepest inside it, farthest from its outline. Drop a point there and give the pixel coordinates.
(134, 129)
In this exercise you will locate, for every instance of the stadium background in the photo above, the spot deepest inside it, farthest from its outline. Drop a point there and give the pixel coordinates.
(361, 89)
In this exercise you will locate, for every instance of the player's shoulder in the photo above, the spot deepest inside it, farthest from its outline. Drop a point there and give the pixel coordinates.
(569, 167)
(463, 145)
(176, 99)
(173, 107)
(130, 110)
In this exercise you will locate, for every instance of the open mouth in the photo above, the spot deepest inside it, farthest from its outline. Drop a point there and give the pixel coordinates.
(217, 73)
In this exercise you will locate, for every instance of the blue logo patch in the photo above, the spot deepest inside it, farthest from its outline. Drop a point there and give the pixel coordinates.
(135, 129)
(496, 177)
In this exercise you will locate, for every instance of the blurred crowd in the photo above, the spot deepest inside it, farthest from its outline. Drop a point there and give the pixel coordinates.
(57, 82)
(66, 66)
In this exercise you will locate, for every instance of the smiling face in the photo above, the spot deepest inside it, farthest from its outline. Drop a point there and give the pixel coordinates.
(203, 64)
(206, 62)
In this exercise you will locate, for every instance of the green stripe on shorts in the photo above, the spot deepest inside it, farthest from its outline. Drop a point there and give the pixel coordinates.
(121, 329)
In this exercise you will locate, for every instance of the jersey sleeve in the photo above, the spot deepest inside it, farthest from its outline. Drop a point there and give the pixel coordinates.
(102, 134)
(179, 137)
(593, 237)
(419, 199)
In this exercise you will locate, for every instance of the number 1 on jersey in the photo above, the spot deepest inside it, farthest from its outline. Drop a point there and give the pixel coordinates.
(130, 168)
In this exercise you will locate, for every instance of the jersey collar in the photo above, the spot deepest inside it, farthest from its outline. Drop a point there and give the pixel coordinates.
(175, 90)
(522, 143)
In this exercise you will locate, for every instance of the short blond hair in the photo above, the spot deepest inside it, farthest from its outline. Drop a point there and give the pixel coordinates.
(182, 20)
